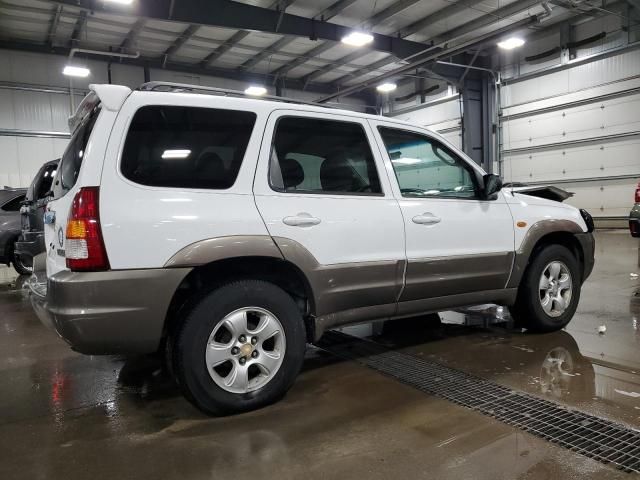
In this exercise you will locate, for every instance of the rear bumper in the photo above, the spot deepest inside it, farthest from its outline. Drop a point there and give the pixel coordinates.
(588, 244)
(30, 244)
(113, 312)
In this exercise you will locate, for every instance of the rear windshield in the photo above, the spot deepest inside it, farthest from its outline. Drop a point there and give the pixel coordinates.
(186, 147)
(72, 157)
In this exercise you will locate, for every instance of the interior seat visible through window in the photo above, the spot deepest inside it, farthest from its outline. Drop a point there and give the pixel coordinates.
(312, 155)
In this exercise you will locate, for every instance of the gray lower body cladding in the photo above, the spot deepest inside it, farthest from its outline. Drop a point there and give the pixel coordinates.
(118, 311)
(588, 245)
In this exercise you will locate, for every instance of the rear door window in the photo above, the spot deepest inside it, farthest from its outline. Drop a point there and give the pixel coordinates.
(314, 155)
(186, 147)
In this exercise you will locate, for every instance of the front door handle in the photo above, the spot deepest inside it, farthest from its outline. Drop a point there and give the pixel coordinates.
(426, 218)
(301, 220)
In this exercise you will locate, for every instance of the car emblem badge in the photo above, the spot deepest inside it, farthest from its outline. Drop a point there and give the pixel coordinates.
(60, 237)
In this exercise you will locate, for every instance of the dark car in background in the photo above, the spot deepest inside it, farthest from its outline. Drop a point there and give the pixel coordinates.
(10, 228)
(31, 242)
(634, 215)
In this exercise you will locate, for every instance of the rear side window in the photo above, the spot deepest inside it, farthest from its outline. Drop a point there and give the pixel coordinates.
(13, 205)
(313, 155)
(72, 157)
(44, 187)
(186, 147)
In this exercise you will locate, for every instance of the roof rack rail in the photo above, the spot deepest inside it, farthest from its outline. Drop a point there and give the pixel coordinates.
(158, 86)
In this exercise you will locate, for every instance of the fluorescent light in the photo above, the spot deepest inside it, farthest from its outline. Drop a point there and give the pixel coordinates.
(176, 154)
(406, 161)
(357, 39)
(121, 2)
(73, 71)
(255, 90)
(511, 43)
(386, 87)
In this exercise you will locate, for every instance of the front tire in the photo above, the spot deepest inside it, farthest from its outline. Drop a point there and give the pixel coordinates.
(240, 348)
(549, 292)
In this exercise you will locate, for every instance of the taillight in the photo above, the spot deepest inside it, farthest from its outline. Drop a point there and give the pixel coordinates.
(638, 193)
(84, 249)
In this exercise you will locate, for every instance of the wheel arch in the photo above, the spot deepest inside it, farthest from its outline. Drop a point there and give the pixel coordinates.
(540, 235)
(207, 276)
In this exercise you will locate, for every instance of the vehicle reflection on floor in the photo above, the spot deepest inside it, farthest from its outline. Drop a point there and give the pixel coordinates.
(598, 372)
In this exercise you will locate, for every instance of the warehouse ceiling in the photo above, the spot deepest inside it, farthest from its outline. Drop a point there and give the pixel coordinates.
(293, 43)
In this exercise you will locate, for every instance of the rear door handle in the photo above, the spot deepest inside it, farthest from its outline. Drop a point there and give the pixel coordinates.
(301, 220)
(426, 218)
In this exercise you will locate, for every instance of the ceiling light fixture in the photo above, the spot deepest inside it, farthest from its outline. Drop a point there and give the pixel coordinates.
(255, 90)
(511, 43)
(386, 87)
(357, 39)
(73, 71)
(121, 2)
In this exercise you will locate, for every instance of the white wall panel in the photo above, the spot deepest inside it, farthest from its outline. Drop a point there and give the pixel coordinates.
(9, 166)
(604, 198)
(32, 110)
(32, 153)
(432, 114)
(608, 117)
(612, 158)
(437, 117)
(7, 114)
(579, 121)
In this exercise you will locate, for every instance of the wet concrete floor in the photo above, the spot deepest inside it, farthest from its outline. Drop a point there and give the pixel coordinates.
(68, 416)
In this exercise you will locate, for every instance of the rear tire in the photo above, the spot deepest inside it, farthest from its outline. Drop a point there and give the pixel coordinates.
(549, 292)
(215, 360)
(20, 264)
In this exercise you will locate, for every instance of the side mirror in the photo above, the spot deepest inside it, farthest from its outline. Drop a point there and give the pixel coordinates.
(492, 184)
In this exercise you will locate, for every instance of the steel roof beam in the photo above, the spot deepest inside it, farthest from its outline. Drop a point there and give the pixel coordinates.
(133, 34)
(327, 14)
(181, 40)
(230, 14)
(53, 27)
(179, 67)
(441, 40)
(78, 28)
(225, 47)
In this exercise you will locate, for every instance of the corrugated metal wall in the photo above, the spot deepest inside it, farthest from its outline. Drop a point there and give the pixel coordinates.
(576, 123)
(440, 115)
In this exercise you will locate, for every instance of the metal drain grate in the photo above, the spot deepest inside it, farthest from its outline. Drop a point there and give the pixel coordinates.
(594, 437)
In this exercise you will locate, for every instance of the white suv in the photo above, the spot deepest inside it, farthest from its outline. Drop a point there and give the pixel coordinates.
(231, 231)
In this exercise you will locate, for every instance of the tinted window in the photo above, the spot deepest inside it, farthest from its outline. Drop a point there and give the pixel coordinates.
(44, 186)
(186, 147)
(13, 205)
(426, 168)
(72, 157)
(322, 156)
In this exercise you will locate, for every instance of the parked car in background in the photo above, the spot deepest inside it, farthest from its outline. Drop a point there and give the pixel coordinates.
(10, 202)
(31, 242)
(634, 215)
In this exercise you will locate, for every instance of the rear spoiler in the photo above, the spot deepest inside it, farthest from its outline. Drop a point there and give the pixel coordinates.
(110, 97)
